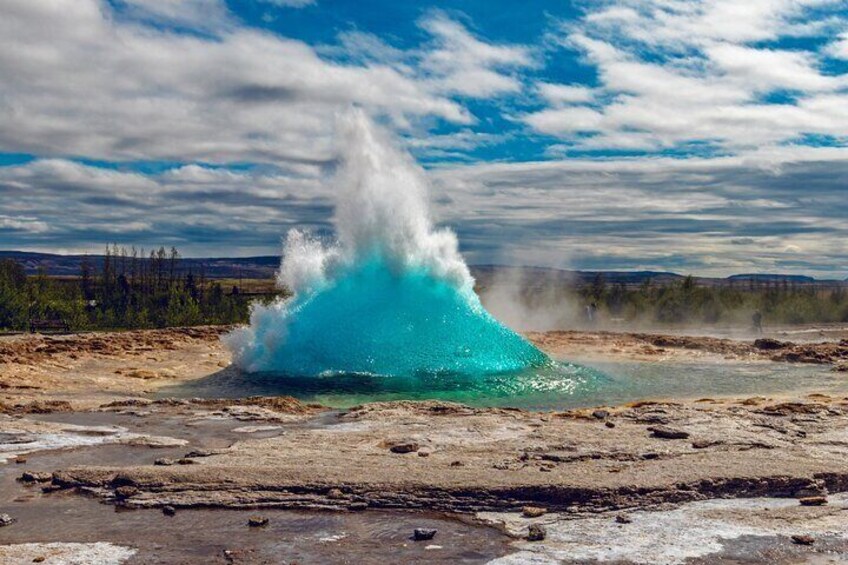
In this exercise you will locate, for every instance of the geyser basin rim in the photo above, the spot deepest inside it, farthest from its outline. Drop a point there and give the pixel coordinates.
(540, 386)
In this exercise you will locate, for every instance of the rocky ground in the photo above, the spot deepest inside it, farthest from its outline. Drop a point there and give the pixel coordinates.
(86, 370)
(647, 346)
(453, 458)
(585, 480)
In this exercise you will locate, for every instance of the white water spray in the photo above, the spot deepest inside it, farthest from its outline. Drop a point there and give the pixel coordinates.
(392, 296)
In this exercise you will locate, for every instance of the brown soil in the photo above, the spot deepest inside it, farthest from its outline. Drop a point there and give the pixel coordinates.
(89, 369)
(34, 349)
(642, 345)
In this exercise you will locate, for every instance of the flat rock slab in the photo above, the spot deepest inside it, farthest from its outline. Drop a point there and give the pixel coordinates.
(498, 459)
(703, 532)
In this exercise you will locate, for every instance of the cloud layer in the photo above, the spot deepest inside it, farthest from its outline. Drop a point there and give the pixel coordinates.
(695, 135)
(91, 81)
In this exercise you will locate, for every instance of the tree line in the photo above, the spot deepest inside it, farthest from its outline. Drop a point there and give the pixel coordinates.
(129, 289)
(686, 302)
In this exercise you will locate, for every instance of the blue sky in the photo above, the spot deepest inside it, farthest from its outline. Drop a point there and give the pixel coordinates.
(688, 135)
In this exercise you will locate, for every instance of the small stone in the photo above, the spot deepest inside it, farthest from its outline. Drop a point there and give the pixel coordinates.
(125, 492)
(20, 460)
(664, 432)
(600, 414)
(35, 477)
(536, 532)
(357, 506)
(423, 534)
(533, 511)
(404, 447)
(623, 519)
(240, 556)
(39, 559)
(257, 521)
(186, 461)
(335, 493)
(609, 424)
(143, 374)
(753, 401)
(47, 489)
(801, 539)
(423, 453)
(653, 419)
(200, 453)
(768, 343)
(6, 520)
(812, 490)
(164, 461)
(169, 510)
(457, 464)
(813, 501)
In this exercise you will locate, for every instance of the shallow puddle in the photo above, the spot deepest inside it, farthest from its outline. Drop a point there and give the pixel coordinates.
(203, 535)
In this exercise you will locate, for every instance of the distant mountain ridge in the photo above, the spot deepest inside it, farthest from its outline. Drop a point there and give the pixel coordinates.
(763, 277)
(265, 267)
(262, 267)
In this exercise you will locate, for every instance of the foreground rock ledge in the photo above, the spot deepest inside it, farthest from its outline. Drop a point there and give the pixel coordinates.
(494, 459)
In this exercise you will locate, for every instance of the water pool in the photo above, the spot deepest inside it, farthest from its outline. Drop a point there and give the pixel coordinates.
(561, 386)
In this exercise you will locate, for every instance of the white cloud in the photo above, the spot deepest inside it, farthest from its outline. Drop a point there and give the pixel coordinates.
(463, 64)
(765, 70)
(23, 224)
(89, 83)
(360, 46)
(677, 72)
(839, 48)
(451, 146)
(290, 3)
(558, 94)
(681, 23)
(96, 82)
(196, 14)
(454, 62)
(565, 120)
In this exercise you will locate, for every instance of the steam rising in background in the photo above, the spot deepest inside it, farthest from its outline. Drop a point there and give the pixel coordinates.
(531, 299)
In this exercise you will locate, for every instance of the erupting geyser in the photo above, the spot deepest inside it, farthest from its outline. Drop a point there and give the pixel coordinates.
(391, 297)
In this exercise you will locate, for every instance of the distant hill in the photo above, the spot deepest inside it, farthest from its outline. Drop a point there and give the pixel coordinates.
(262, 267)
(265, 267)
(501, 274)
(772, 278)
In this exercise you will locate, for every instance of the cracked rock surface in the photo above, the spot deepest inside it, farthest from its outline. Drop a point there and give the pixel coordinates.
(501, 459)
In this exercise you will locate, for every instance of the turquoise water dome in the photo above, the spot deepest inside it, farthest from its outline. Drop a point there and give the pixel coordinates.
(372, 320)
